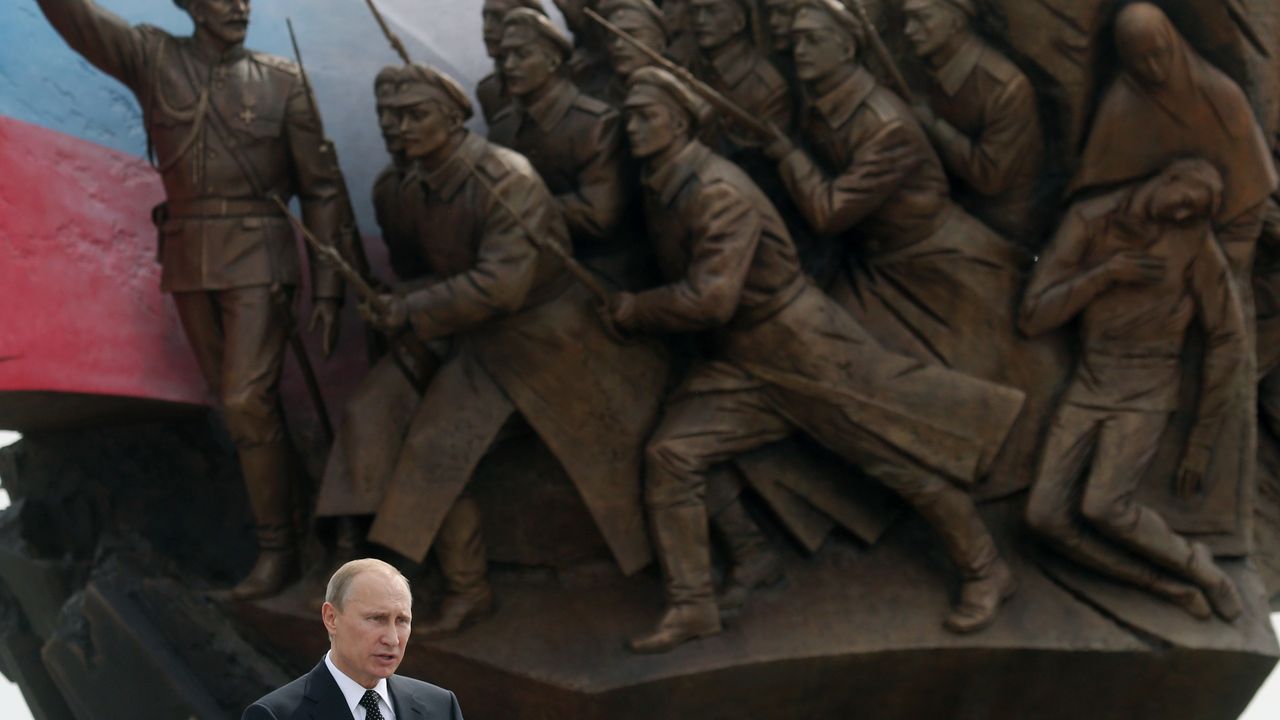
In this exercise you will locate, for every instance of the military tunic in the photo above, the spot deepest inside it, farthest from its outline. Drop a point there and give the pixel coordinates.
(491, 91)
(988, 134)
(229, 133)
(524, 338)
(923, 276)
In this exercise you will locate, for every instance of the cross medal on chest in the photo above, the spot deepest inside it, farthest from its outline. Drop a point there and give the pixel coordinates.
(247, 115)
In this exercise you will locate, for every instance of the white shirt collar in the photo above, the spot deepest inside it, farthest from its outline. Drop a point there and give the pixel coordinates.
(353, 692)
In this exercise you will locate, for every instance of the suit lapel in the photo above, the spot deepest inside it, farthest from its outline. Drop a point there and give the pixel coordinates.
(326, 700)
(404, 700)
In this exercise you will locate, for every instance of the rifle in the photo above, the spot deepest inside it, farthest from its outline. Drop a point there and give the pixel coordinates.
(718, 100)
(575, 268)
(366, 295)
(896, 79)
(326, 146)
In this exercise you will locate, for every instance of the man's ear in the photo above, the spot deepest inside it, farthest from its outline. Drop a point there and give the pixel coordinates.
(329, 614)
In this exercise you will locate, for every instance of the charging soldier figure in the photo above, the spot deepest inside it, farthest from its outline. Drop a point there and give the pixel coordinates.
(522, 338)
(783, 357)
(231, 130)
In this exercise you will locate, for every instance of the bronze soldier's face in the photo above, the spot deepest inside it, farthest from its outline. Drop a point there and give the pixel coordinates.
(818, 50)
(623, 57)
(492, 14)
(389, 123)
(930, 24)
(716, 22)
(226, 20)
(526, 65)
(425, 128)
(652, 126)
(781, 13)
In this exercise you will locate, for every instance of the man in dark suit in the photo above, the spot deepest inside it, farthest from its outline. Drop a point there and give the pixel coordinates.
(367, 612)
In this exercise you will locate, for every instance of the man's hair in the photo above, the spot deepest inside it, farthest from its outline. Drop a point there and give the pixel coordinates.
(340, 584)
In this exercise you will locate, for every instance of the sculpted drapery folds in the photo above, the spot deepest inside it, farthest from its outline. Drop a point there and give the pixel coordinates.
(230, 129)
(918, 272)
(782, 357)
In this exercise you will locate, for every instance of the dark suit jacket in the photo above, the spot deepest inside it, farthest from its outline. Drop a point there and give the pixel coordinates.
(315, 696)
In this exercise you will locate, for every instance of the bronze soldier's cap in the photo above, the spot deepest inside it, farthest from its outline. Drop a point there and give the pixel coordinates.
(644, 8)
(420, 84)
(844, 18)
(539, 29)
(656, 83)
(965, 6)
(384, 85)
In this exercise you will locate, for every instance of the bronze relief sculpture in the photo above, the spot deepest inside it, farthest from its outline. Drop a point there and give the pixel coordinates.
(725, 358)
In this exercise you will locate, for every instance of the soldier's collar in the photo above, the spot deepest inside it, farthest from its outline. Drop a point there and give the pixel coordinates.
(839, 105)
(736, 62)
(447, 180)
(667, 180)
(952, 75)
(548, 110)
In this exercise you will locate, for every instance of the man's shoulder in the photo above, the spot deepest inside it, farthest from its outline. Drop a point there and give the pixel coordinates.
(433, 696)
(275, 63)
(281, 702)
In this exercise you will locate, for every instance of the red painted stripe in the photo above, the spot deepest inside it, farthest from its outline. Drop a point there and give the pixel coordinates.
(80, 306)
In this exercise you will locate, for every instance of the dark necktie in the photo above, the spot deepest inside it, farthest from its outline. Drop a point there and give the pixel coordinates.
(370, 703)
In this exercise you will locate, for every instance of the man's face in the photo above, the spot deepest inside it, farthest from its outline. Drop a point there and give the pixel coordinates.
(226, 20)
(526, 64)
(492, 14)
(425, 128)
(677, 12)
(370, 632)
(1147, 56)
(818, 50)
(623, 57)
(652, 125)
(389, 123)
(716, 22)
(930, 24)
(781, 12)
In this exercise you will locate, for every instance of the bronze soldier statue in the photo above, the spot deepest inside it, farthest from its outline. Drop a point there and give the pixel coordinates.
(645, 22)
(491, 91)
(781, 357)
(1138, 265)
(574, 142)
(377, 415)
(923, 276)
(521, 336)
(982, 117)
(231, 130)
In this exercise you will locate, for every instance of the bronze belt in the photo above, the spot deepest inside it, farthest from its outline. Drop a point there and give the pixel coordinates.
(223, 207)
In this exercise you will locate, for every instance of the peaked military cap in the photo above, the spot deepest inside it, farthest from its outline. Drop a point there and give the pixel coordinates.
(646, 8)
(675, 92)
(420, 84)
(542, 29)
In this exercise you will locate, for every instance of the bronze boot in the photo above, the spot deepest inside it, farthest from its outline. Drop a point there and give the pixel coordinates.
(981, 597)
(268, 477)
(1218, 587)
(754, 562)
(680, 538)
(460, 551)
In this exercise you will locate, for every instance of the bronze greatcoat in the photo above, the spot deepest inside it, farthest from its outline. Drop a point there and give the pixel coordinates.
(924, 277)
(491, 91)
(782, 356)
(988, 134)
(524, 338)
